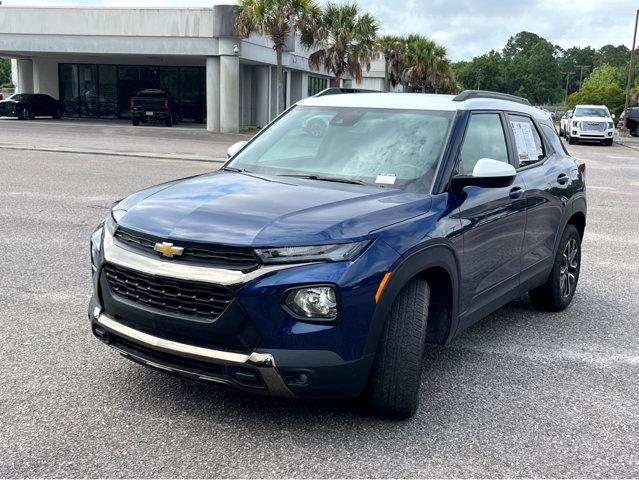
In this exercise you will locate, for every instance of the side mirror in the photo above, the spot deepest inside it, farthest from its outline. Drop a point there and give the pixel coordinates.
(613, 116)
(488, 173)
(236, 147)
(570, 115)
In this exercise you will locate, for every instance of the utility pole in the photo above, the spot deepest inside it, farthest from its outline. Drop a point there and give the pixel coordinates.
(631, 67)
(567, 78)
(581, 73)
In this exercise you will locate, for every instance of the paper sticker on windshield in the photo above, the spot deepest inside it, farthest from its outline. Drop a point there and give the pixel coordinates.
(386, 178)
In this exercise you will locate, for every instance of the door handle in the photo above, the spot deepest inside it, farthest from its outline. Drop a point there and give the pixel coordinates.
(562, 179)
(516, 192)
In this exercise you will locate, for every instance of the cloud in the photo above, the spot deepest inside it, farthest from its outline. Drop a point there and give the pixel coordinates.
(467, 27)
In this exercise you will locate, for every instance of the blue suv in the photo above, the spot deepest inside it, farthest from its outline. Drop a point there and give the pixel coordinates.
(331, 248)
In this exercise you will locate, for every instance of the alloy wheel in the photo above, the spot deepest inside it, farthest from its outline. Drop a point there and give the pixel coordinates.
(569, 267)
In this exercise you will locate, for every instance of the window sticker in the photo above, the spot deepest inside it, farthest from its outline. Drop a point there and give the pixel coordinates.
(386, 178)
(525, 140)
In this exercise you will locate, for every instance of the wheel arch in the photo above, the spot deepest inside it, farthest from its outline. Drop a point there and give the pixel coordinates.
(437, 263)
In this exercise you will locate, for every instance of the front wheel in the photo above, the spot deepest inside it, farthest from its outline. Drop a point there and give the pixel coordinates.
(572, 140)
(393, 388)
(57, 115)
(25, 114)
(556, 294)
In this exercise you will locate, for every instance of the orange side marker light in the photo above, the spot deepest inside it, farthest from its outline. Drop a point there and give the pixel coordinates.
(382, 285)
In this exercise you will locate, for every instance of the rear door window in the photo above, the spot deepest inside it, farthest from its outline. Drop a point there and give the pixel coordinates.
(529, 145)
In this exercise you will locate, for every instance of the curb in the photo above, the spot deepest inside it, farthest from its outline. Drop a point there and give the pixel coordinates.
(113, 153)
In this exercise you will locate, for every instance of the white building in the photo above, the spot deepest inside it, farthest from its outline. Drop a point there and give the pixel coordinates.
(95, 59)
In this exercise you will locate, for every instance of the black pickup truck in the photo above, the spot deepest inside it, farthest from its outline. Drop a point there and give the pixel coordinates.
(630, 120)
(153, 104)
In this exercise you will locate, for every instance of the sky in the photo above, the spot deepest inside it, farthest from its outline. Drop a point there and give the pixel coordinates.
(467, 27)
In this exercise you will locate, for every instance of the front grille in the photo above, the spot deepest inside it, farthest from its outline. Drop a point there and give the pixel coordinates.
(221, 256)
(593, 126)
(194, 299)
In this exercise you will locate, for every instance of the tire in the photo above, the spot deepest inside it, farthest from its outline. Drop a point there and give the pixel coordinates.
(571, 140)
(135, 122)
(169, 121)
(558, 291)
(608, 142)
(394, 382)
(57, 115)
(25, 114)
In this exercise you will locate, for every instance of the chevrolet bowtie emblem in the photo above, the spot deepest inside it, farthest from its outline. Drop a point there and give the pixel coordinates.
(168, 249)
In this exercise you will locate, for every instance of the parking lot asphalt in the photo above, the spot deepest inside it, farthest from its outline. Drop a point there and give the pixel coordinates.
(115, 138)
(522, 393)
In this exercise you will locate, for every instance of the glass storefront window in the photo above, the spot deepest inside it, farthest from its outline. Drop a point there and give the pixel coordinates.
(105, 91)
(316, 85)
(88, 84)
(108, 88)
(69, 89)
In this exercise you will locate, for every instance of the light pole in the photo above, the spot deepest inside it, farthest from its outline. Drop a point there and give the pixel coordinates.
(631, 67)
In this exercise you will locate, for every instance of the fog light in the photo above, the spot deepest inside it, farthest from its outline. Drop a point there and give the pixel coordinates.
(313, 303)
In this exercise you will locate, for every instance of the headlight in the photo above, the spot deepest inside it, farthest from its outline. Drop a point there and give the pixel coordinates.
(96, 245)
(313, 303)
(611, 125)
(329, 253)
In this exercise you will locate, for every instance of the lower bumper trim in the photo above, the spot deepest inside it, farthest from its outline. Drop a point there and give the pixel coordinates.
(263, 362)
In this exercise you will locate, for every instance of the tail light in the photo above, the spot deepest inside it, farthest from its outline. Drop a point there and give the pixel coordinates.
(166, 104)
(582, 167)
(132, 103)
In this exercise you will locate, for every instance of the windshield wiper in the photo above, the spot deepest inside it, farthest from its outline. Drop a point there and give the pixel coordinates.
(233, 169)
(324, 179)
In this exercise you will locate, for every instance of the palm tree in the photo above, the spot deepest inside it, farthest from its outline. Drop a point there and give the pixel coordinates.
(392, 48)
(277, 19)
(426, 65)
(345, 41)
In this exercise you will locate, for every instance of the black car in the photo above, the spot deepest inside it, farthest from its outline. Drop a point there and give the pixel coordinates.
(29, 105)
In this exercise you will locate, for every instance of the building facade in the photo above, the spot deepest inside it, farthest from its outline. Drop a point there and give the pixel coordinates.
(96, 59)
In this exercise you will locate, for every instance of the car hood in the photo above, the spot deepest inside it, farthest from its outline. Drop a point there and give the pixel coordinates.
(244, 210)
(9, 102)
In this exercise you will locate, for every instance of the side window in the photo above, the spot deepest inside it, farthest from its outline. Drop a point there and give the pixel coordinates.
(528, 142)
(485, 138)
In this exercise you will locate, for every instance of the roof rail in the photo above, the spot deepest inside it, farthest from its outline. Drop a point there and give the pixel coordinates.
(468, 94)
(338, 91)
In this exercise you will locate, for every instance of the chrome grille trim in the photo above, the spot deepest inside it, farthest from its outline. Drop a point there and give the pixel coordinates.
(113, 253)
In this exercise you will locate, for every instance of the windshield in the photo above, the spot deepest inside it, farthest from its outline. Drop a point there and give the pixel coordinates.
(399, 148)
(591, 112)
(22, 97)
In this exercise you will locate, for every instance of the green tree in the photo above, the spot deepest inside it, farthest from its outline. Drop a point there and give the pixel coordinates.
(426, 66)
(392, 48)
(5, 71)
(485, 72)
(614, 56)
(576, 63)
(608, 75)
(535, 74)
(276, 19)
(345, 41)
(612, 96)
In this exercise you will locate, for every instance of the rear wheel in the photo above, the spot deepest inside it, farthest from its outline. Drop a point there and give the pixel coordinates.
(556, 294)
(135, 122)
(393, 388)
(169, 121)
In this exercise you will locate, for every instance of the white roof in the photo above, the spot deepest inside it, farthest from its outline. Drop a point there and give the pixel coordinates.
(419, 101)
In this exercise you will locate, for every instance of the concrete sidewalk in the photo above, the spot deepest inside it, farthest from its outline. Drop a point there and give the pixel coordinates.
(627, 141)
(116, 138)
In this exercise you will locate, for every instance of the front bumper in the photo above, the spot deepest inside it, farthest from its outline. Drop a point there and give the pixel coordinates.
(592, 135)
(255, 372)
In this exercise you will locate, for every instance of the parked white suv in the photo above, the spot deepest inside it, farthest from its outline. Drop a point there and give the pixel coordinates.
(591, 122)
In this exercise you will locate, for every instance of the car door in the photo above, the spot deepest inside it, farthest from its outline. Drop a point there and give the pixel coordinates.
(493, 220)
(547, 174)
